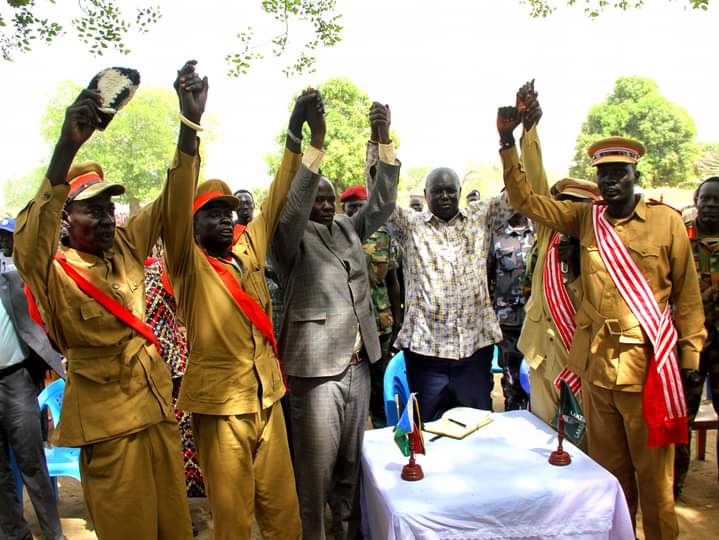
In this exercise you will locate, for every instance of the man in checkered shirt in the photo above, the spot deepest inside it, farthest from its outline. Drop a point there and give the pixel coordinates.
(450, 325)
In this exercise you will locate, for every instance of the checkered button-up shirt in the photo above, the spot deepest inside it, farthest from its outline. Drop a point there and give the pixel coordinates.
(448, 312)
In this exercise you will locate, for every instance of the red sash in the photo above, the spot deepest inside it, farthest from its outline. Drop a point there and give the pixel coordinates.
(246, 304)
(663, 401)
(111, 305)
(561, 309)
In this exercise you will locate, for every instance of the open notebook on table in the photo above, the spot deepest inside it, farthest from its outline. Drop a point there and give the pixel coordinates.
(459, 422)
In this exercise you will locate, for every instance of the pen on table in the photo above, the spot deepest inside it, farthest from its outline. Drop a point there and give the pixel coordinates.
(457, 422)
(435, 438)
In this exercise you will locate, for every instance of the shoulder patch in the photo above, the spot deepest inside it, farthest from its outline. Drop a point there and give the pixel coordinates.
(654, 202)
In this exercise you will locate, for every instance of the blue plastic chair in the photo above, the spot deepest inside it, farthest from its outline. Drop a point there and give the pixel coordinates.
(60, 461)
(524, 375)
(496, 368)
(395, 384)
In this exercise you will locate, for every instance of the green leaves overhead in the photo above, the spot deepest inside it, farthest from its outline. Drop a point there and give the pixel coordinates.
(636, 109)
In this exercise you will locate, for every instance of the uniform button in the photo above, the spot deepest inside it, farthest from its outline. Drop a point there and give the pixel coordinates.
(549, 319)
(115, 286)
(46, 196)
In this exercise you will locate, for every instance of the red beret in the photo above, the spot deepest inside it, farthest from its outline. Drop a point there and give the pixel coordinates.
(354, 192)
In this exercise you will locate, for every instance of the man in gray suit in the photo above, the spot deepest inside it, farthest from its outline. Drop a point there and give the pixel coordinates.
(328, 335)
(25, 355)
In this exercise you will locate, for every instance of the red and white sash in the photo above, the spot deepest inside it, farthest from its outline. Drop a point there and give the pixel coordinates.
(561, 309)
(663, 403)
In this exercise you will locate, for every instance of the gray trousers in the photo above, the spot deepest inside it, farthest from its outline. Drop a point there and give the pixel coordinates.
(328, 422)
(20, 430)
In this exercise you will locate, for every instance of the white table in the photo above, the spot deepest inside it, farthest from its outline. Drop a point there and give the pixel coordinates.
(496, 483)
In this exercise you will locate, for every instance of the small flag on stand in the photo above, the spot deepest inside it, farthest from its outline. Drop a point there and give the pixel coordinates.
(571, 412)
(408, 432)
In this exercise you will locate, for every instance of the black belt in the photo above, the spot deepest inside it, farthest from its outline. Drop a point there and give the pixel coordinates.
(12, 369)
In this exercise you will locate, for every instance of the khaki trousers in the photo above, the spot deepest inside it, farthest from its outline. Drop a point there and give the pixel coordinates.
(543, 395)
(246, 466)
(617, 436)
(134, 486)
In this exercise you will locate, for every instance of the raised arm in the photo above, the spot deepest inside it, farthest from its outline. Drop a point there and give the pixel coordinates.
(175, 203)
(531, 112)
(308, 107)
(562, 216)
(383, 194)
(37, 230)
(296, 212)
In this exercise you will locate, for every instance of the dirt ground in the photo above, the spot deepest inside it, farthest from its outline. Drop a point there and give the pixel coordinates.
(697, 508)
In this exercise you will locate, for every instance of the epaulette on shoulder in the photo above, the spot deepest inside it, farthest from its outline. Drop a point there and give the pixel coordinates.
(654, 202)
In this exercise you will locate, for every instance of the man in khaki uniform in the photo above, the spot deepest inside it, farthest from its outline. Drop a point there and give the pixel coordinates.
(233, 383)
(117, 406)
(610, 351)
(540, 341)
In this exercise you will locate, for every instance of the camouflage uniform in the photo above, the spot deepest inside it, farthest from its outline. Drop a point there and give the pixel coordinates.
(381, 258)
(506, 270)
(705, 250)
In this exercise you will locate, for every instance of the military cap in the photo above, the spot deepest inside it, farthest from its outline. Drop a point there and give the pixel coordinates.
(582, 189)
(615, 150)
(354, 192)
(213, 190)
(87, 180)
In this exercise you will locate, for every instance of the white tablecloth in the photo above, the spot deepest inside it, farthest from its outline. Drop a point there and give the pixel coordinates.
(496, 483)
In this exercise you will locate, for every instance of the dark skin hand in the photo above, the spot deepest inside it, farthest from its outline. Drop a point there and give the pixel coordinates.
(192, 93)
(508, 118)
(527, 105)
(81, 120)
(568, 252)
(353, 206)
(309, 108)
(380, 120)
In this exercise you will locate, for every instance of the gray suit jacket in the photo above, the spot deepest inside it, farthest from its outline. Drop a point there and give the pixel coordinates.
(42, 355)
(323, 271)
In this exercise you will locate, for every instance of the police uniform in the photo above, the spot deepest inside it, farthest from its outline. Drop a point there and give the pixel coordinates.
(610, 350)
(506, 267)
(117, 405)
(705, 250)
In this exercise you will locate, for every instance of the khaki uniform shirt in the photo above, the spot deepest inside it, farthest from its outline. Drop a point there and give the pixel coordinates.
(610, 349)
(117, 384)
(539, 340)
(230, 363)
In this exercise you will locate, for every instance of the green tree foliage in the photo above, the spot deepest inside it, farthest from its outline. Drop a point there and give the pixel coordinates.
(594, 8)
(412, 180)
(346, 114)
(136, 147)
(637, 110)
(18, 191)
(104, 24)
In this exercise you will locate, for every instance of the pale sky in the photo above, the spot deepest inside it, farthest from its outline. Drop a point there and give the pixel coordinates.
(444, 67)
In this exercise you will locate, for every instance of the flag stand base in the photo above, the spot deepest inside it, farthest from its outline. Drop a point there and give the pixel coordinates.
(412, 471)
(560, 458)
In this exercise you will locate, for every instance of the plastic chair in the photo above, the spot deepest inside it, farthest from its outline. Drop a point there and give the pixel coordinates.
(60, 461)
(496, 368)
(524, 375)
(395, 384)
